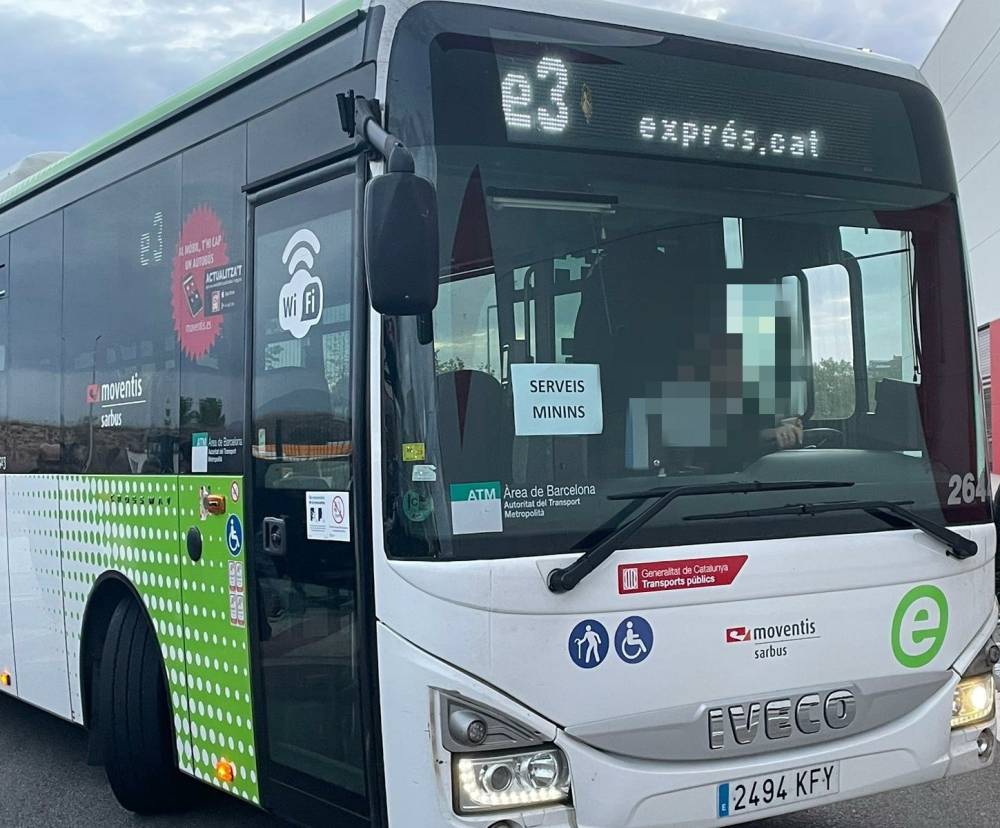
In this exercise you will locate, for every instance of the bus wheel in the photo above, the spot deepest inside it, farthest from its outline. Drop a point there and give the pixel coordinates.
(134, 717)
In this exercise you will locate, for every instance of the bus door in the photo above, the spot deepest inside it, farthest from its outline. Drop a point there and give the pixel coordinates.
(306, 630)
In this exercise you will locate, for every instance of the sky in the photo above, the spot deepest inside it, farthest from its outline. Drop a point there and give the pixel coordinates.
(75, 69)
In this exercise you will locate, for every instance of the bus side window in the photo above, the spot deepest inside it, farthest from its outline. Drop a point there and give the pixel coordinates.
(466, 306)
(830, 326)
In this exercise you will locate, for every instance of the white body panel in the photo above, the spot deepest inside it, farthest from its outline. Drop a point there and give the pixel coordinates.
(625, 793)
(36, 591)
(496, 625)
(488, 617)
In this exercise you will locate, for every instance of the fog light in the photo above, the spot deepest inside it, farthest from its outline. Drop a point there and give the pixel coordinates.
(502, 781)
(973, 701)
(985, 743)
(468, 728)
(477, 731)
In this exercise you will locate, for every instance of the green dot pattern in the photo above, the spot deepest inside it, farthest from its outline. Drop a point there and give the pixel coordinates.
(85, 526)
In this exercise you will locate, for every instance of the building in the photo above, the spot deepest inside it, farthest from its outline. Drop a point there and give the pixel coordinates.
(963, 68)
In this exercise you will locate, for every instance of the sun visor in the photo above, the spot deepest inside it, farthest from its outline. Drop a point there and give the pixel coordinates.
(772, 249)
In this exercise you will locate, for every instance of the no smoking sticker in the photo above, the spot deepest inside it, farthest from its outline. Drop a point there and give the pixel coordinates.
(328, 516)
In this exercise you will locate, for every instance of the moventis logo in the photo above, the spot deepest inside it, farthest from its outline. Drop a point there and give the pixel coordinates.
(773, 640)
(804, 628)
(112, 395)
(123, 391)
(735, 634)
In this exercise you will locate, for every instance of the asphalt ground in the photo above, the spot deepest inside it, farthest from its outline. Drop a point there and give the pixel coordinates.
(45, 781)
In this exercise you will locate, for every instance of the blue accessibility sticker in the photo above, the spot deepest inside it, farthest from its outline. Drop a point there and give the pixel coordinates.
(234, 535)
(634, 640)
(588, 644)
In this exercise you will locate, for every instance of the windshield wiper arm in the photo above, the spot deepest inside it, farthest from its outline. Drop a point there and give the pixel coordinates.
(566, 578)
(957, 546)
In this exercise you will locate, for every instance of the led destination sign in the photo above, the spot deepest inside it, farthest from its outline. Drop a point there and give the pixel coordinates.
(660, 104)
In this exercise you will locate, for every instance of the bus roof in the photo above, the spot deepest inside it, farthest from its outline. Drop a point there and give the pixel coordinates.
(640, 15)
(635, 13)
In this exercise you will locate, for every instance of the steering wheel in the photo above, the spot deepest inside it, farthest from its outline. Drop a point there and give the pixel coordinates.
(822, 438)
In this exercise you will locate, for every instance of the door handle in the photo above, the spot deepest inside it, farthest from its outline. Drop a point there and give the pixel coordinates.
(194, 544)
(275, 536)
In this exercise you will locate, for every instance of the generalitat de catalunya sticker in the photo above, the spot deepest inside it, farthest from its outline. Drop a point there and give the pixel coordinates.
(692, 573)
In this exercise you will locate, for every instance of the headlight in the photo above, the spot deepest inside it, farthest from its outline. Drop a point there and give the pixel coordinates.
(973, 701)
(510, 780)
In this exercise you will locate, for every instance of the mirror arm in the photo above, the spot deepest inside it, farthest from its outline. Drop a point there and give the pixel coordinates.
(361, 119)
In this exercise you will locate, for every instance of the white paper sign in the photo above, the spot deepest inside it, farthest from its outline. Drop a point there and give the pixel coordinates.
(553, 398)
(328, 516)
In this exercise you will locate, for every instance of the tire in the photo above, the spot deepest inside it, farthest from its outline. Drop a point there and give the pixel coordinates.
(133, 717)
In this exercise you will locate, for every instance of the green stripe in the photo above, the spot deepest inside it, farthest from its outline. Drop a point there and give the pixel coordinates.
(173, 106)
(461, 492)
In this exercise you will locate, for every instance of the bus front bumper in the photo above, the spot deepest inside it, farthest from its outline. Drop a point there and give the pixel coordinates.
(614, 791)
(611, 791)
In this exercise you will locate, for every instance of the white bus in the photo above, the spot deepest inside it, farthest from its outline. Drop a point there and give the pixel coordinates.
(503, 415)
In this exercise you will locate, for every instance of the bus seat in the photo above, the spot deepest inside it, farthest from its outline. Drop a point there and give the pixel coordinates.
(291, 390)
(475, 427)
(895, 425)
(630, 324)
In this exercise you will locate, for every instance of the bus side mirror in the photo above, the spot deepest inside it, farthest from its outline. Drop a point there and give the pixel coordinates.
(401, 244)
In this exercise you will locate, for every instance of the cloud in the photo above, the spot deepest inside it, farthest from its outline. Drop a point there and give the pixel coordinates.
(73, 71)
(220, 28)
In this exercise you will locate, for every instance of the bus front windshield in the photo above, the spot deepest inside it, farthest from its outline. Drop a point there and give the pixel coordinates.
(764, 282)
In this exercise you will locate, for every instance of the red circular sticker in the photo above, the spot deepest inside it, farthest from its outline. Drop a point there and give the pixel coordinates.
(200, 249)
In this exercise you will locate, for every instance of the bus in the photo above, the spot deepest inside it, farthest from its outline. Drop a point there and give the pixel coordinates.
(503, 415)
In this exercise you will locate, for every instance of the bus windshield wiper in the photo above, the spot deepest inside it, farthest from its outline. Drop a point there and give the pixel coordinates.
(567, 577)
(892, 512)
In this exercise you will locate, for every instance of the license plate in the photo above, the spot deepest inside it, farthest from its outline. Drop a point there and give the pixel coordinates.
(755, 793)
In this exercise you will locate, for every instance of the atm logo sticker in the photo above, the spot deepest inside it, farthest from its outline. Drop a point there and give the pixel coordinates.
(691, 573)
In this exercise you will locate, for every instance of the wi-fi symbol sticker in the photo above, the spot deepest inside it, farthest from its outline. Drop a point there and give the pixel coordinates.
(302, 249)
(300, 303)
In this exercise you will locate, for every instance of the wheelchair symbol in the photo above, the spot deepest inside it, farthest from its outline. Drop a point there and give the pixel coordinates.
(634, 640)
(234, 535)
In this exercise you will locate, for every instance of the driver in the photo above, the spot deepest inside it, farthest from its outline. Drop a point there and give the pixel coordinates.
(787, 433)
(654, 316)
(741, 427)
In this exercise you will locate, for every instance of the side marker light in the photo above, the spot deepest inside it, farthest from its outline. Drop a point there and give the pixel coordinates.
(224, 771)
